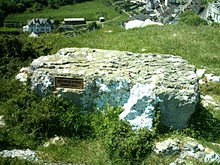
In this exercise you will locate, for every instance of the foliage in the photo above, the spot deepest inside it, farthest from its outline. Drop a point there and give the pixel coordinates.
(14, 52)
(16, 161)
(120, 141)
(31, 119)
(92, 26)
(11, 31)
(192, 19)
(211, 88)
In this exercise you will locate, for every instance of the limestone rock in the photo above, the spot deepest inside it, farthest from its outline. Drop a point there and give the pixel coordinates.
(140, 83)
(23, 75)
(56, 140)
(187, 148)
(21, 154)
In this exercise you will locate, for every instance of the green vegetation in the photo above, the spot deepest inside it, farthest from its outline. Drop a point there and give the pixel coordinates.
(192, 19)
(198, 45)
(88, 10)
(94, 137)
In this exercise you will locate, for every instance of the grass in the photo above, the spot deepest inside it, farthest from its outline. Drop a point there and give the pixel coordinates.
(76, 151)
(88, 10)
(198, 45)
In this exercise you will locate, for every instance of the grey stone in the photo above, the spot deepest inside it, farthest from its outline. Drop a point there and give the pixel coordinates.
(188, 148)
(140, 83)
(21, 154)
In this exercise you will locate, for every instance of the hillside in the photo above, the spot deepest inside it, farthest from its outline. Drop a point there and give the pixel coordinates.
(91, 137)
(89, 10)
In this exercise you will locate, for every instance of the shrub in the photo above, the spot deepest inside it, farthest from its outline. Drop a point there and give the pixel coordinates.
(192, 19)
(120, 141)
(92, 26)
(14, 53)
(32, 120)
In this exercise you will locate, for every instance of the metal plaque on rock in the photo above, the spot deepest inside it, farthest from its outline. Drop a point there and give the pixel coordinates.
(64, 82)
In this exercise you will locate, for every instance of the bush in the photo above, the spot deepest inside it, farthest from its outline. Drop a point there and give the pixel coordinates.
(192, 19)
(14, 53)
(92, 26)
(120, 141)
(32, 120)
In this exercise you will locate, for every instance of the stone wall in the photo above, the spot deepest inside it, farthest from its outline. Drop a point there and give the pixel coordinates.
(140, 83)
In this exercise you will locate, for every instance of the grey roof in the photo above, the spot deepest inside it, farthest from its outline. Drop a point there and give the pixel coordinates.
(40, 21)
(141, 16)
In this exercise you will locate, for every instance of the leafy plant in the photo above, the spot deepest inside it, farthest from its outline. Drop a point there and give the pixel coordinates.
(120, 141)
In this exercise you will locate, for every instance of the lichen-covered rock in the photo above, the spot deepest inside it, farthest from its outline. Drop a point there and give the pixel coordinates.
(140, 83)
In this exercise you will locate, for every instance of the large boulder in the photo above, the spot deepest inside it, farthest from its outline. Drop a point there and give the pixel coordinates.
(140, 83)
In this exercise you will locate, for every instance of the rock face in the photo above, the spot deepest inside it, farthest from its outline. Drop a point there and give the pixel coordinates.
(140, 83)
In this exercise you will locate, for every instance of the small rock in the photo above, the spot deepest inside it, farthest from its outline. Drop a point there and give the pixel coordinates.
(211, 77)
(211, 156)
(143, 50)
(54, 141)
(200, 72)
(207, 101)
(191, 146)
(2, 124)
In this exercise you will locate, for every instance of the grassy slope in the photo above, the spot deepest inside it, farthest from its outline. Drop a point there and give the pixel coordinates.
(87, 10)
(198, 45)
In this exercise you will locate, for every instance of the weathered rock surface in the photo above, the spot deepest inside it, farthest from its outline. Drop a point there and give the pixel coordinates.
(140, 83)
(21, 154)
(187, 148)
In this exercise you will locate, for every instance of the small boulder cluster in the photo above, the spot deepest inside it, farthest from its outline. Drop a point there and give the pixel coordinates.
(21, 154)
(186, 149)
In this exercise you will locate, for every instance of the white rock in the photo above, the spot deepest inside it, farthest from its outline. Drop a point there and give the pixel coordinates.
(140, 107)
(23, 75)
(216, 78)
(201, 82)
(200, 72)
(54, 141)
(137, 24)
(143, 50)
(33, 35)
(133, 24)
(106, 80)
(211, 77)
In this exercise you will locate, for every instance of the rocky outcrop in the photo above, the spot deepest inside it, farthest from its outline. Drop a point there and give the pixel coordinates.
(140, 83)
